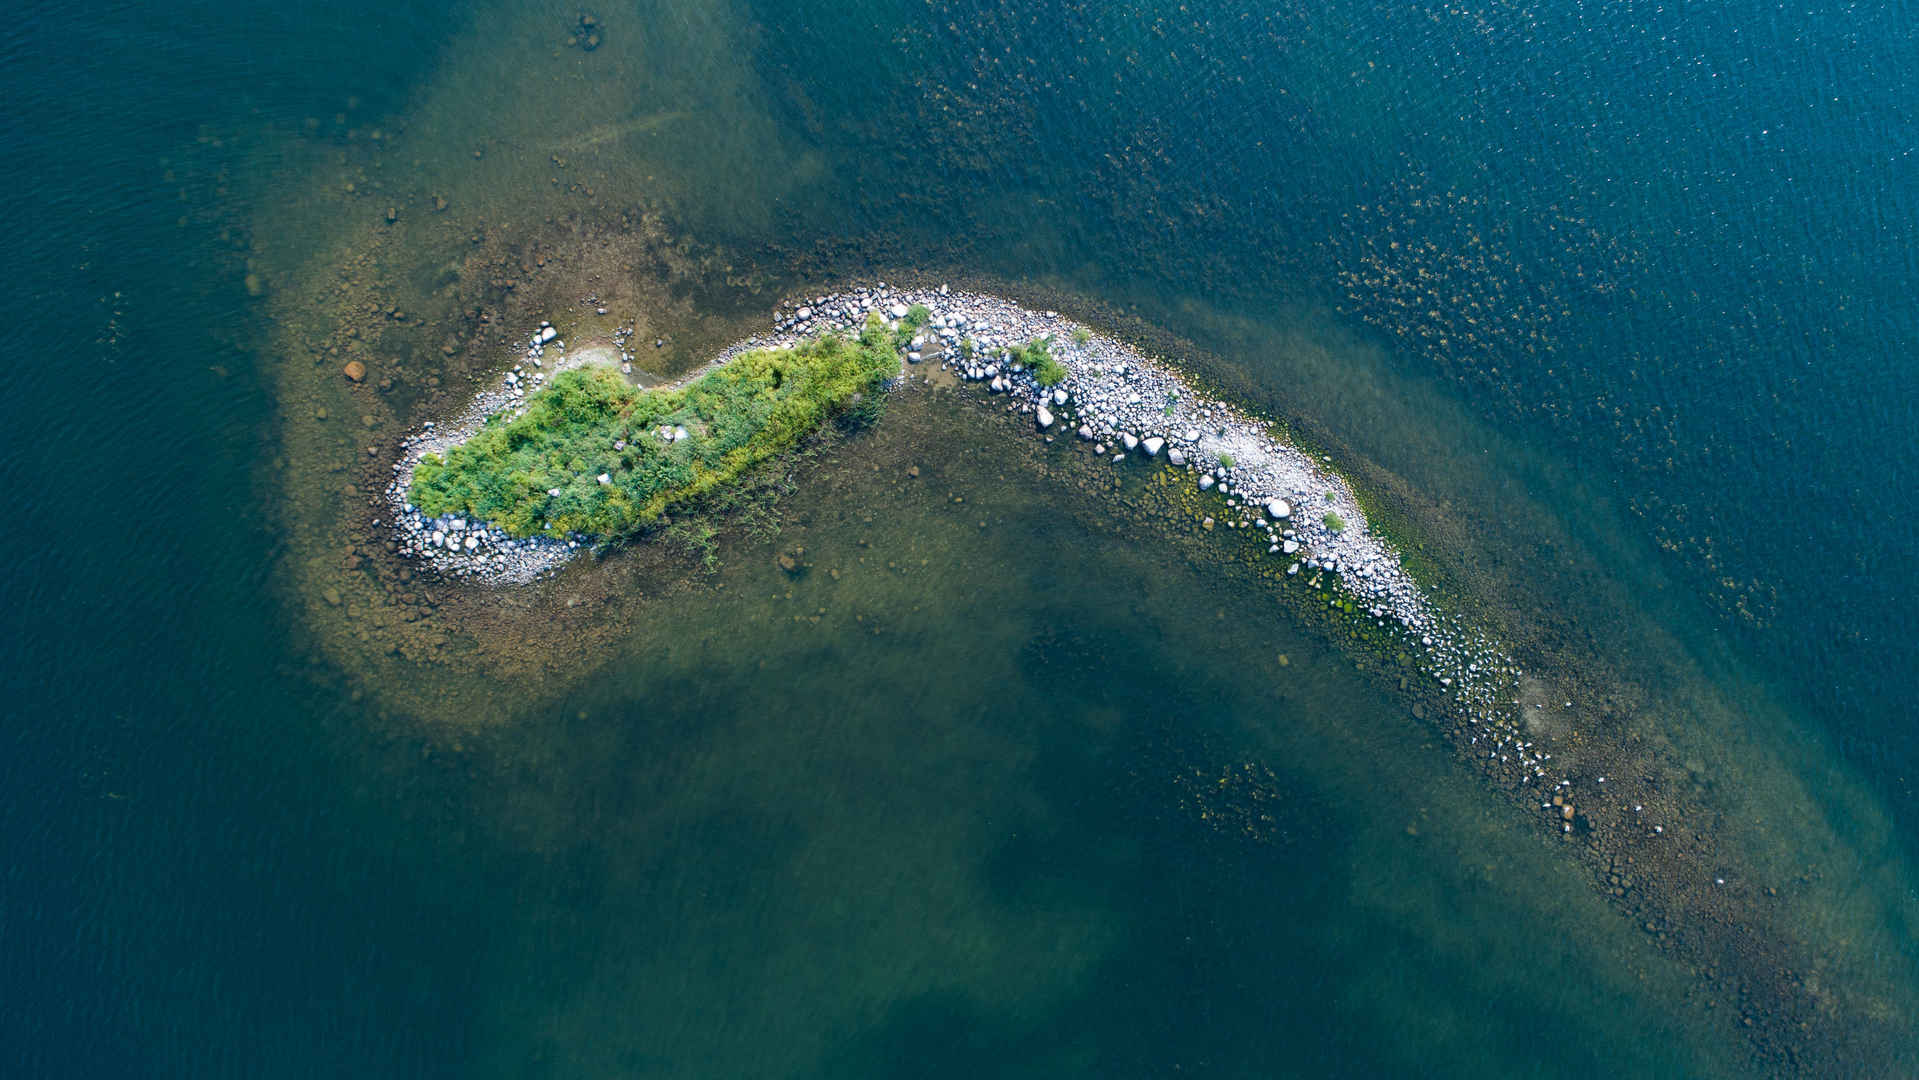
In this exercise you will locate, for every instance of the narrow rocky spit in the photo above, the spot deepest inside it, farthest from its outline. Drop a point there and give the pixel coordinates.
(1136, 411)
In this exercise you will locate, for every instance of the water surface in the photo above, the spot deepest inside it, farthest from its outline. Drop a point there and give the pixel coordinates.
(1609, 304)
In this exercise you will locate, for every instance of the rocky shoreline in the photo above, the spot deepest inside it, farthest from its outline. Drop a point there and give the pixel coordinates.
(1134, 410)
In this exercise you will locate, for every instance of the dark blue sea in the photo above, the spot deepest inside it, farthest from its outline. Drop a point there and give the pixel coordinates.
(1615, 301)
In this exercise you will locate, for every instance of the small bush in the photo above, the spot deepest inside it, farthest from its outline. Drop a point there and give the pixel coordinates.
(1081, 335)
(916, 316)
(1334, 522)
(1225, 461)
(1037, 355)
(1050, 372)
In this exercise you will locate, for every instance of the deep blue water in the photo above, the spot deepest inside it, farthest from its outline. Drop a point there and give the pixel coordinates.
(1669, 248)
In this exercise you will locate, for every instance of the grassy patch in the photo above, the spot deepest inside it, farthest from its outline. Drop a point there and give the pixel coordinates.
(1081, 335)
(590, 423)
(1334, 522)
(1225, 461)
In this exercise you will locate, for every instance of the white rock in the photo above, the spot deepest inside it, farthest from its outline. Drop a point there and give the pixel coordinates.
(1085, 433)
(680, 434)
(1044, 417)
(899, 311)
(555, 492)
(1059, 397)
(605, 478)
(1206, 482)
(803, 313)
(1152, 445)
(1289, 546)
(1192, 434)
(1129, 440)
(472, 542)
(1175, 458)
(1279, 510)
(439, 538)
(548, 334)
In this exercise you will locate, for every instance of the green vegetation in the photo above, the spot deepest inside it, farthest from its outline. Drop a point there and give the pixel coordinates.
(1334, 522)
(967, 348)
(1225, 461)
(1081, 335)
(591, 423)
(916, 317)
(1037, 355)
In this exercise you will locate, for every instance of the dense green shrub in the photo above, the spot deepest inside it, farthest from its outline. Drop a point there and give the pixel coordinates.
(737, 415)
(1037, 355)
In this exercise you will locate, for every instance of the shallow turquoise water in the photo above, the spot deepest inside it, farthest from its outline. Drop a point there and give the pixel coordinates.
(1666, 256)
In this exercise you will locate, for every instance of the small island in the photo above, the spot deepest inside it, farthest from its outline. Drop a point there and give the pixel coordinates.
(565, 454)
